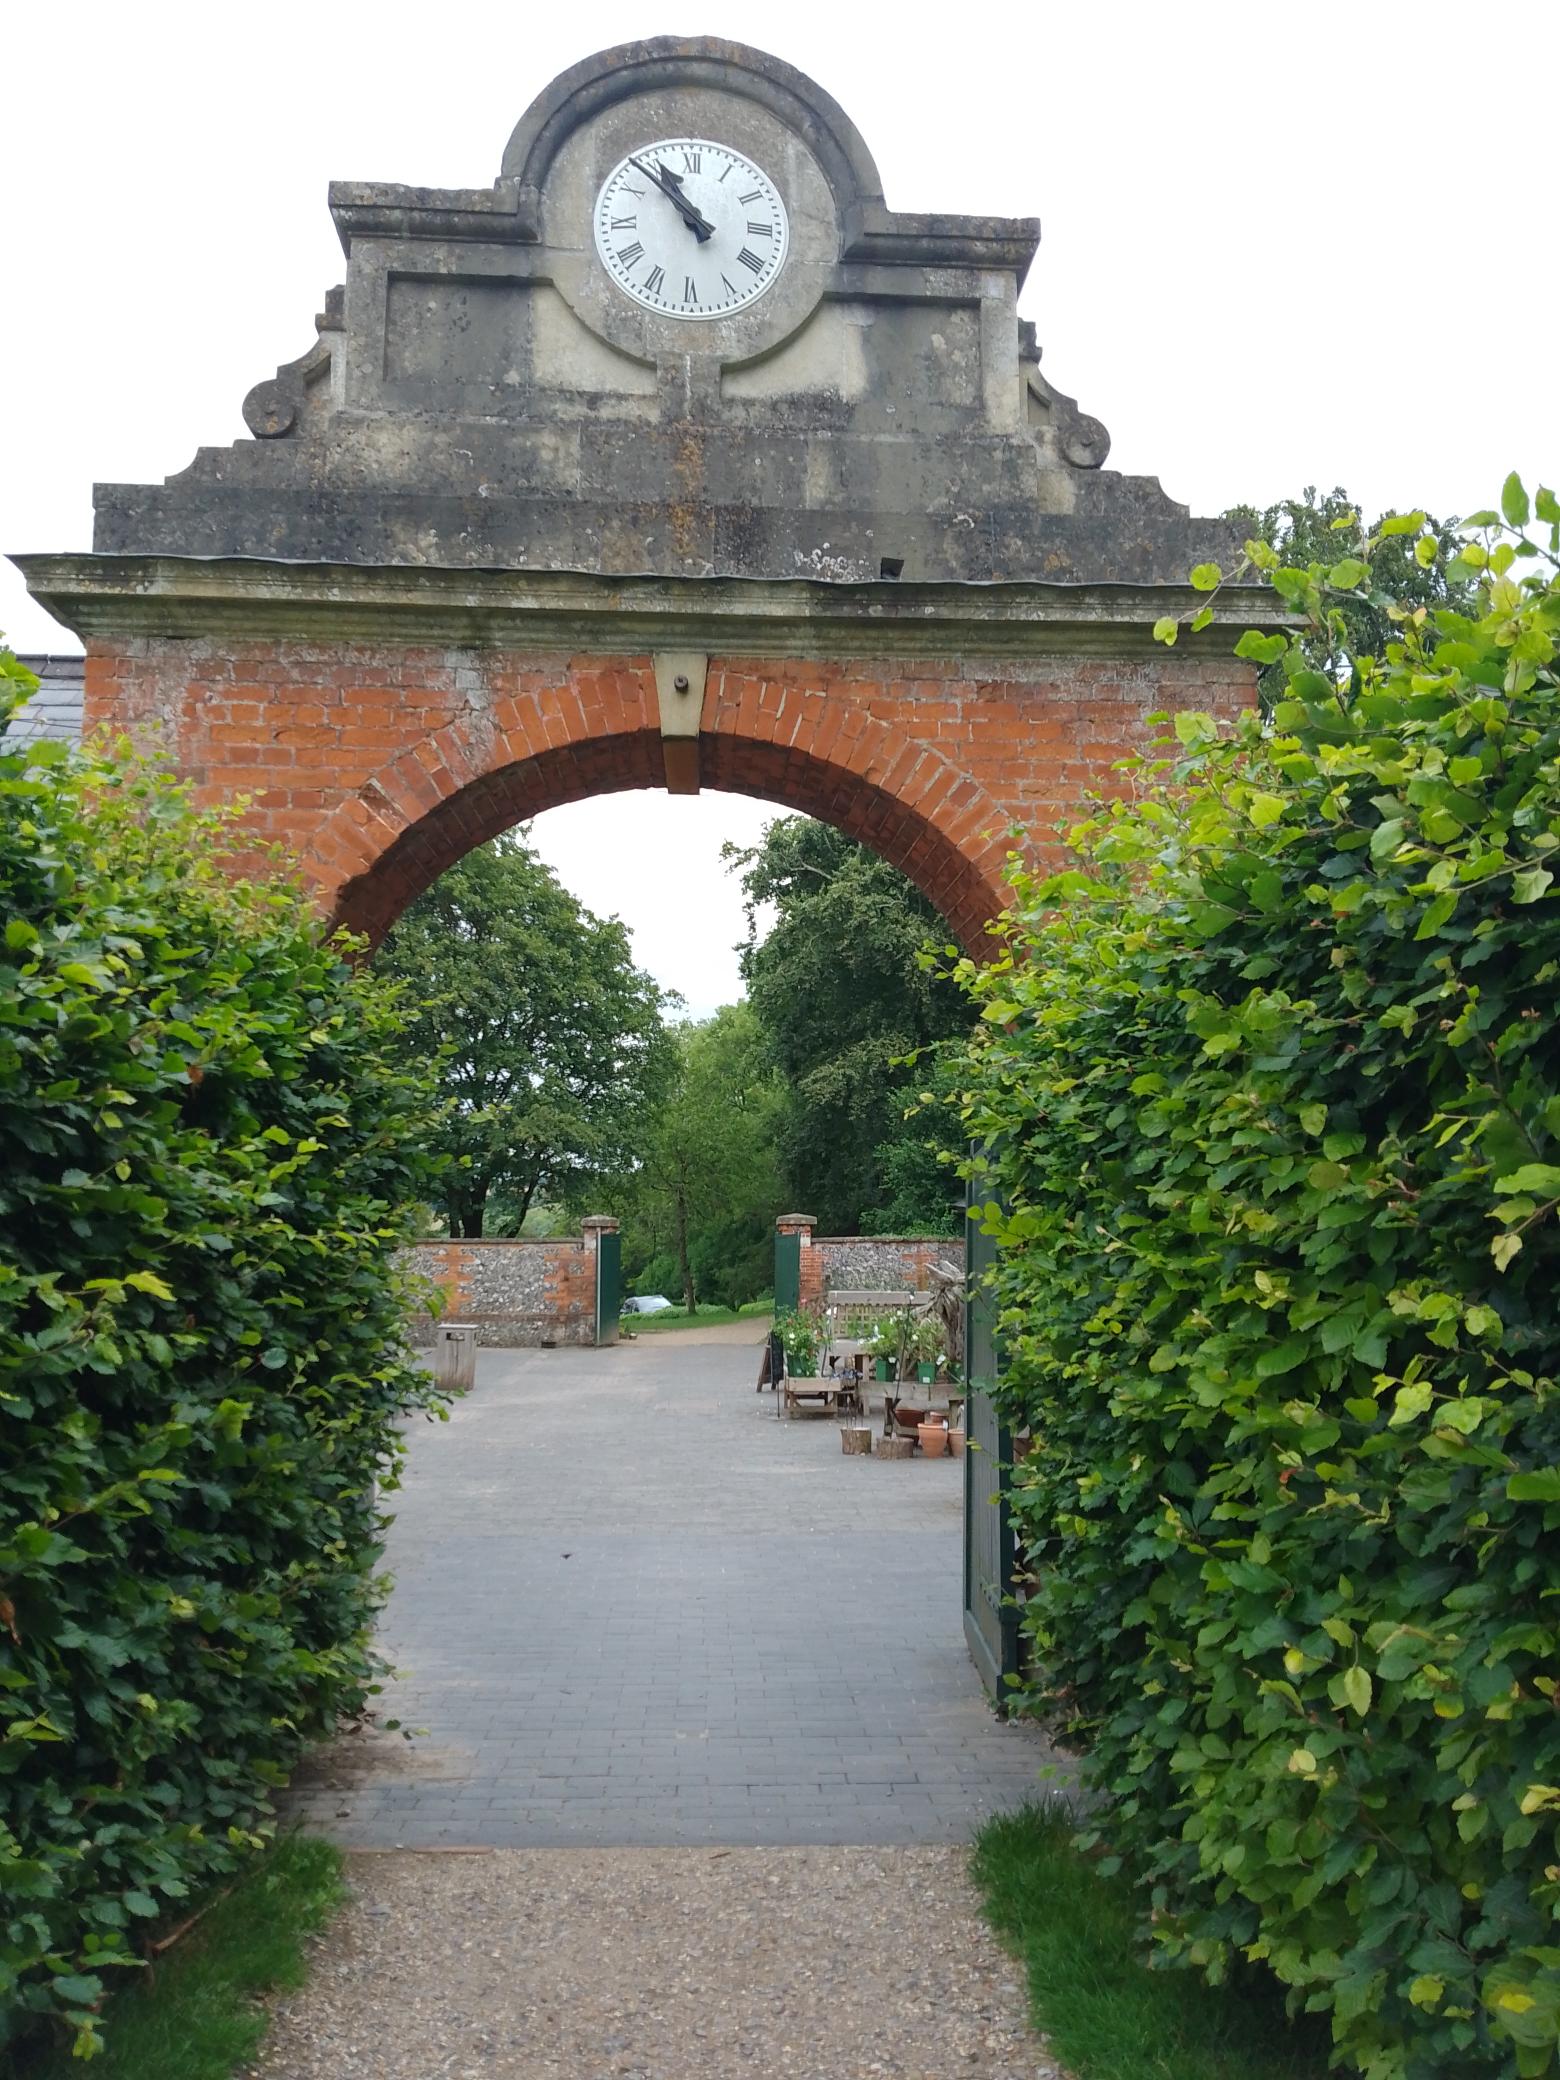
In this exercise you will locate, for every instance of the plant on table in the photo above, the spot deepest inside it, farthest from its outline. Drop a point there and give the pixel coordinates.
(930, 1348)
(801, 1335)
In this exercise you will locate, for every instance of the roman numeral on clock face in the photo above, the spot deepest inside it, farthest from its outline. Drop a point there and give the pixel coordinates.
(691, 161)
(629, 254)
(624, 223)
(690, 289)
(747, 259)
(760, 230)
(654, 279)
(756, 196)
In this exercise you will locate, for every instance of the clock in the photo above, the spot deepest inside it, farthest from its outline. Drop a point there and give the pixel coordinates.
(691, 229)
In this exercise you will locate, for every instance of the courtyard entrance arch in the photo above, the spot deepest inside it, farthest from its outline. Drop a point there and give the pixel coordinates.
(529, 521)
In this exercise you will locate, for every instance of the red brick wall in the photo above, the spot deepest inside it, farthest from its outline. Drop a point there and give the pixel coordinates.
(382, 764)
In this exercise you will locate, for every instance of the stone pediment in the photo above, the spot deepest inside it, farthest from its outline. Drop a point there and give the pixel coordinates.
(485, 391)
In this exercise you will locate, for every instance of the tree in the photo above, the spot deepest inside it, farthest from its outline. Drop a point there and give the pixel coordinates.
(838, 986)
(1321, 529)
(708, 1187)
(553, 1042)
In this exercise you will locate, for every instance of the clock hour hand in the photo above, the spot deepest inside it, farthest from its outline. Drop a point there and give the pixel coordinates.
(670, 187)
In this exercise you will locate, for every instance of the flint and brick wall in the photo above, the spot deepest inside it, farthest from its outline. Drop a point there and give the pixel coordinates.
(382, 763)
(867, 1263)
(879, 1263)
(518, 1294)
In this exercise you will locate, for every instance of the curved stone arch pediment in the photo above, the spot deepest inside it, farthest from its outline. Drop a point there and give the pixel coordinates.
(629, 69)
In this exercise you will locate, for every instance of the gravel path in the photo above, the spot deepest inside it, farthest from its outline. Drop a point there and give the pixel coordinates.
(658, 1964)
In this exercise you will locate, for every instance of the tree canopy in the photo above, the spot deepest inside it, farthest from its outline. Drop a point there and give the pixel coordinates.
(553, 1042)
(838, 987)
(700, 1207)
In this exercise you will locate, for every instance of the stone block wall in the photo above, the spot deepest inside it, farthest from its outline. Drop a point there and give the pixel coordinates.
(518, 1294)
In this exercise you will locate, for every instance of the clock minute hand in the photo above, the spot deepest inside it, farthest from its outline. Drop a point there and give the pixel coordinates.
(700, 226)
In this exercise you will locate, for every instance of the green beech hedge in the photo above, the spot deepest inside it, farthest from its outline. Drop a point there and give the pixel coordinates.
(205, 1150)
(1271, 1090)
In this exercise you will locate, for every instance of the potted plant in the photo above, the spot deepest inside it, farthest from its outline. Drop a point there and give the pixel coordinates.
(929, 1351)
(883, 1344)
(802, 1337)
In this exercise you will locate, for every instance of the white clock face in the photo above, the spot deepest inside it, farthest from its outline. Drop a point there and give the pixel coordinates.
(691, 229)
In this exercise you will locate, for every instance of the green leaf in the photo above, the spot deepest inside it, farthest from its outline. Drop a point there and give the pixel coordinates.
(1348, 573)
(1426, 550)
(1166, 629)
(1409, 1403)
(1357, 1689)
(1260, 649)
(1264, 809)
(1542, 1484)
(1504, 1248)
(1528, 885)
(1542, 1178)
(1437, 914)
(149, 1282)
(1193, 727)
(76, 1989)
(1206, 577)
(1514, 502)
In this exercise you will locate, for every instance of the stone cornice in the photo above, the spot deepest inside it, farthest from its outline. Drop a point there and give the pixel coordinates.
(575, 611)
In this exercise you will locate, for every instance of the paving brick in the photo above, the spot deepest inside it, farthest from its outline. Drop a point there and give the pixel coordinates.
(632, 1607)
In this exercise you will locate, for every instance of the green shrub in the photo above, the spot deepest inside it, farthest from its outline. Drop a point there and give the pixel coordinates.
(1271, 1092)
(204, 1156)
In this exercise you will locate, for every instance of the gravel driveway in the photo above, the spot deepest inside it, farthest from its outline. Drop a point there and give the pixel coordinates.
(658, 1964)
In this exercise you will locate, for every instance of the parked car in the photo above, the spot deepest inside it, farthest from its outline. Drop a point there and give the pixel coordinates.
(647, 1303)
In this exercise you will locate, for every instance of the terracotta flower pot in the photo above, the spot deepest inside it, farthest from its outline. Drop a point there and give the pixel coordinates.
(934, 1439)
(956, 1443)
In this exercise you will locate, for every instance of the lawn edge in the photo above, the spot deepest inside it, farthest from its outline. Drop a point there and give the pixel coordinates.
(253, 1938)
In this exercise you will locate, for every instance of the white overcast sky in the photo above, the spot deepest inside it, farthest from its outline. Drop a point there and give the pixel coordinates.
(1231, 196)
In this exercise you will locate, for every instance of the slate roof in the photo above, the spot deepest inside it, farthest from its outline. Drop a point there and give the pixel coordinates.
(55, 709)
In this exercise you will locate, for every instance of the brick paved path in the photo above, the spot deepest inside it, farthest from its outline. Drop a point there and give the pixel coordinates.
(632, 1607)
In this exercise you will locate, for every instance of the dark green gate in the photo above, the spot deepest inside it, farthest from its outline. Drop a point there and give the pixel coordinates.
(609, 1284)
(788, 1271)
(990, 1616)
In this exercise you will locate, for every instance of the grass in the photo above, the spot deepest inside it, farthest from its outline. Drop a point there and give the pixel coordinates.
(1106, 2014)
(701, 1318)
(194, 2013)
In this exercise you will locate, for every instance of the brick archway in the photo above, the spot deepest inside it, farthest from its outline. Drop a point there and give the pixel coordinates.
(379, 724)
(555, 736)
